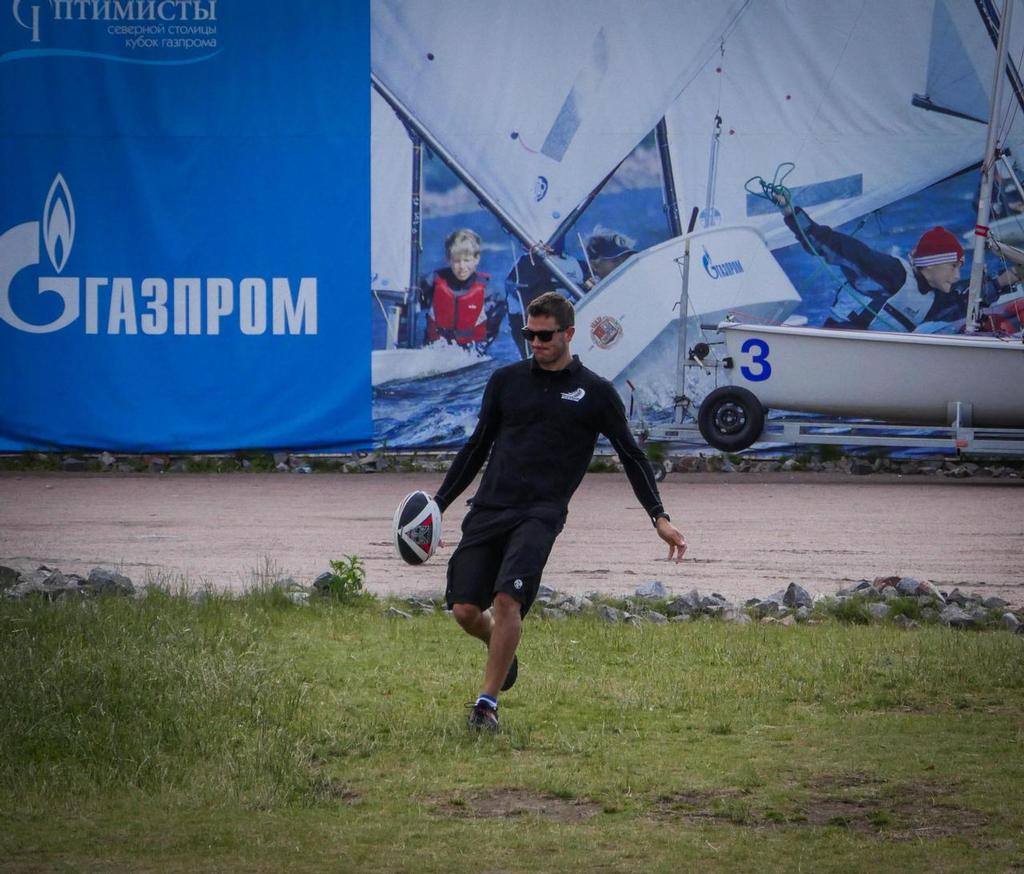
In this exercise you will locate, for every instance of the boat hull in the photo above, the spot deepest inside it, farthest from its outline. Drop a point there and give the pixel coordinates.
(731, 272)
(905, 378)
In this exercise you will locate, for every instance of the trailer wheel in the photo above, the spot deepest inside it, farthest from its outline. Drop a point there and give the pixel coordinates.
(730, 418)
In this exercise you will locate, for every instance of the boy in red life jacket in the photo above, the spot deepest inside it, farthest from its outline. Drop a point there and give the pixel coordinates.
(455, 296)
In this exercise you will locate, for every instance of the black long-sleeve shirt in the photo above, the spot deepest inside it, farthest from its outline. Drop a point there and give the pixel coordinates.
(540, 428)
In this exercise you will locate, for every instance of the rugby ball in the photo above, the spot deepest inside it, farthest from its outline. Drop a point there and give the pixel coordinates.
(417, 528)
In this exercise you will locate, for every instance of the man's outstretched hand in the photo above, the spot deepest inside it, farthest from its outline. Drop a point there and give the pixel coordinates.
(673, 537)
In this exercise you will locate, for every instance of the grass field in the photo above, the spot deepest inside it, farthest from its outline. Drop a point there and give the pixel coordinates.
(255, 735)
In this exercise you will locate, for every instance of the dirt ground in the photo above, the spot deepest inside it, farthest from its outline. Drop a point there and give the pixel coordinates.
(749, 535)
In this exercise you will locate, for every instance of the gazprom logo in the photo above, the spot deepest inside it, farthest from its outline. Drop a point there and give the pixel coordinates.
(540, 188)
(721, 269)
(153, 305)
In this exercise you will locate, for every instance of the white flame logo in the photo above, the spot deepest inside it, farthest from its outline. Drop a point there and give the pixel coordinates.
(59, 223)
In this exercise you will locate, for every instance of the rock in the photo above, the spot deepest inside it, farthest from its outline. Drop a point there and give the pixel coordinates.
(737, 617)
(928, 589)
(553, 613)
(907, 586)
(994, 603)
(107, 460)
(685, 604)
(103, 581)
(682, 617)
(956, 617)
(797, 596)
(1010, 622)
(903, 621)
(420, 605)
(889, 594)
(300, 599)
(956, 597)
(766, 608)
(43, 581)
(610, 614)
(654, 617)
(788, 620)
(803, 613)
(879, 610)
(880, 583)
(323, 582)
(545, 592)
(8, 577)
(395, 613)
(73, 464)
(651, 589)
(860, 467)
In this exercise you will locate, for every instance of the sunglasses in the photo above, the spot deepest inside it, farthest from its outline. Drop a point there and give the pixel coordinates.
(544, 336)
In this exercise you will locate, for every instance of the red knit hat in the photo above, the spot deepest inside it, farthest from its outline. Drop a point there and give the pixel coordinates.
(937, 246)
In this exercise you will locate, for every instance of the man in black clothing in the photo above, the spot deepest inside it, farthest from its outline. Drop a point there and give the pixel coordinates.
(539, 423)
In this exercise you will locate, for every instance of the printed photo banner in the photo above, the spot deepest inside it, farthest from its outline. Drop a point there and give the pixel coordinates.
(183, 233)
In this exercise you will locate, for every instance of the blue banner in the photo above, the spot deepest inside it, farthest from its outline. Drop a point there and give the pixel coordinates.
(184, 233)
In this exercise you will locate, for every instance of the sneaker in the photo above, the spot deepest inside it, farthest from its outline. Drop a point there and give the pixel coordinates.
(512, 675)
(483, 718)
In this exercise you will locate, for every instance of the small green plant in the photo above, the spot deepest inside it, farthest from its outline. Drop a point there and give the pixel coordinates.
(853, 611)
(346, 581)
(657, 451)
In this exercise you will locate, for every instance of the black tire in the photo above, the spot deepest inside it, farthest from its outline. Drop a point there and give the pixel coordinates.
(731, 418)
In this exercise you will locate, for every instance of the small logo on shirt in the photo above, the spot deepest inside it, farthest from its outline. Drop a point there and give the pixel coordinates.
(517, 585)
(576, 396)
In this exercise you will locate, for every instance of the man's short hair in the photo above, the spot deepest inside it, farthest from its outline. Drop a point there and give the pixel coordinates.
(551, 303)
(462, 242)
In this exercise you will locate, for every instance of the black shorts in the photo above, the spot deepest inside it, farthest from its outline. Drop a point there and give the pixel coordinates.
(501, 551)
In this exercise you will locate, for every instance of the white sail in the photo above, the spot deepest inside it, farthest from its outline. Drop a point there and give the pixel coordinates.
(540, 99)
(830, 88)
(390, 198)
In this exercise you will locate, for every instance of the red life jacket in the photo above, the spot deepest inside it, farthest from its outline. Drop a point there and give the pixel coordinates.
(458, 316)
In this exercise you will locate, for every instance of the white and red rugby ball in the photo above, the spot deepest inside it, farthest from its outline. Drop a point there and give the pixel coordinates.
(417, 528)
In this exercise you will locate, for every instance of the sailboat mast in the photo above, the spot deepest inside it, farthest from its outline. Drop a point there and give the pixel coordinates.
(987, 172)
(536, 248)
(415, 231)
(668, 180)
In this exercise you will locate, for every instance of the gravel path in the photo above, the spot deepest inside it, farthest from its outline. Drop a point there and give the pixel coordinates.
(749, 534)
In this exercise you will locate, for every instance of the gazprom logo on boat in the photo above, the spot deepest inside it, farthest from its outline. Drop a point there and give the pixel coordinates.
(540, 188)
(152, 305)
(126, 31)
(721, 269)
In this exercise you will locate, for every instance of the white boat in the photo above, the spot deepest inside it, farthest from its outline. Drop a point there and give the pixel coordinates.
(535, 123)
(736, 276)
(821, 85)
(434, 359)
(917, 379)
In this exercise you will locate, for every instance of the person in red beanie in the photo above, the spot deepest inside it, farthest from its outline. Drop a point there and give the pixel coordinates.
(890, 293)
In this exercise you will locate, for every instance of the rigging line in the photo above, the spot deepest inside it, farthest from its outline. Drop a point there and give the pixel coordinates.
(727, 32)
(1010, 115)
(835, 69)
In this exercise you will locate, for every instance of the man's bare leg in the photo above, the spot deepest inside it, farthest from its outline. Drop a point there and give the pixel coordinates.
(501, 633)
